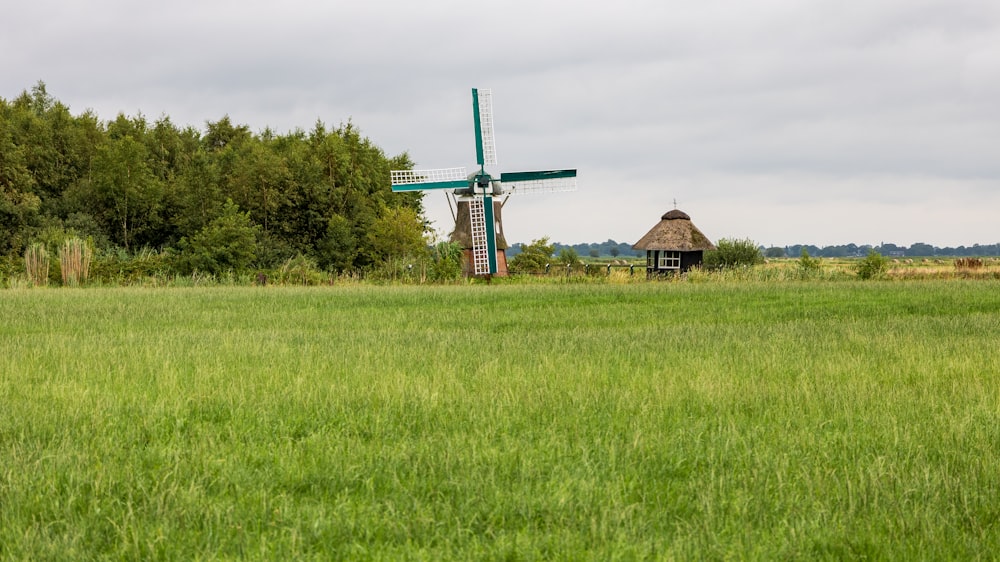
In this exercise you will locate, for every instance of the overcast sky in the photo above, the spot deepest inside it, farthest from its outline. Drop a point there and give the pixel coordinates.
(783, 121)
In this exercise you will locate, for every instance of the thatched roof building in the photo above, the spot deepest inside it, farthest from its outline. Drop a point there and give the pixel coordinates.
(674, 244)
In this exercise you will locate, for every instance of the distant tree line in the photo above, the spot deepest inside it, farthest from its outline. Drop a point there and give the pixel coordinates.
(613, 249)
(218, 199)
(885, 249)
(609, 248)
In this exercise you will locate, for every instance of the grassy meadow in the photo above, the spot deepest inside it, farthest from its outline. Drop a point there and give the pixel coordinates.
(729, 420)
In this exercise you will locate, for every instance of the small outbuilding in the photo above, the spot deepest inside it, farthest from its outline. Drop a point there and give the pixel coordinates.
(674, 245)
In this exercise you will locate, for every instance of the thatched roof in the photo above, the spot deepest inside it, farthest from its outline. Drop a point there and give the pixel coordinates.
(674, 232)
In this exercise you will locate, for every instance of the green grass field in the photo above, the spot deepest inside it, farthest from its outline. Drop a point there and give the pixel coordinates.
(551, 421)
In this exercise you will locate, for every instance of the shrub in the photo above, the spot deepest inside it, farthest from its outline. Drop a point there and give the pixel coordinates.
(808, 266)
(533, 257)
(873, 266)
(301, 270)
(446, 262)
(10, 266)
(569, 257)
(116, 266)
(228, 243)
(732, 253)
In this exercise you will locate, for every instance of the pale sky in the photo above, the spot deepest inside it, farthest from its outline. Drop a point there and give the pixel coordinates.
(783, 121)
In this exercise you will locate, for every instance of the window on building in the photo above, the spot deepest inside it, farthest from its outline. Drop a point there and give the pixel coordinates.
(670, 260)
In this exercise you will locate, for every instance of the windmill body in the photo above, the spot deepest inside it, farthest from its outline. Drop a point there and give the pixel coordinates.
(477, 194)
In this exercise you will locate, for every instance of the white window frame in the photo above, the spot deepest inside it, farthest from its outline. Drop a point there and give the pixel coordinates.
(669, 260)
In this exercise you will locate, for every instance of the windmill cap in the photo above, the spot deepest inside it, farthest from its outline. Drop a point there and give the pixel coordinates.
(675, 214)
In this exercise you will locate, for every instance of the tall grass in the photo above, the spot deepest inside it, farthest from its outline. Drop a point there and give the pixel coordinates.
(36, 264)
(569, 421)
(74, 261)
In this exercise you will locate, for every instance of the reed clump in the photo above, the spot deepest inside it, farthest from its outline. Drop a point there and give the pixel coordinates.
(74, 261)
(36, 264)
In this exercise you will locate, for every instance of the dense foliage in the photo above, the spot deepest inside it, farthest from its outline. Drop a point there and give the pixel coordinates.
(809, 266)
(533, 258)
(214, 200)
(873, 266)
(731, 253)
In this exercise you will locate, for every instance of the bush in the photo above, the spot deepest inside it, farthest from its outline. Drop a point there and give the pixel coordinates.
(10, 266)
(568, 256)
(732, 253)
(446, 262)
(808, 266)
(533, 257)
(228, 243)
(873, 266)
(300, 270)
(117, 266)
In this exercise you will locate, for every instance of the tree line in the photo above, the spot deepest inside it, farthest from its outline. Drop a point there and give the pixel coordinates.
(220, 199)
(918, 249)
(613, 249)
(608, 248)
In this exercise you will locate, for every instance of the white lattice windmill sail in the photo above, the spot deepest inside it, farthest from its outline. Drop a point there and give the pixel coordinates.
(482, 112)
(484, 253)
(550, 181)
(480, 187)
(419, 180)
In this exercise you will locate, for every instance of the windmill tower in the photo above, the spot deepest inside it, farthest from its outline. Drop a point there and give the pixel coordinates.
(477, 195)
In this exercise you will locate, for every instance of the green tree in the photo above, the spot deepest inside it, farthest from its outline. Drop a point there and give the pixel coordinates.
(261, 184)
(127, 188)
(921, 249)
(569, 256)
(225, 244)
(533, 257)
(223, 134)
(131, 183)
(398, 234)
(19, 206)
(195, 197)
(18, 213)
(338, 249)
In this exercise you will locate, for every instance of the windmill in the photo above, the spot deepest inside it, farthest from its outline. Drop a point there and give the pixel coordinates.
(475, 193)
